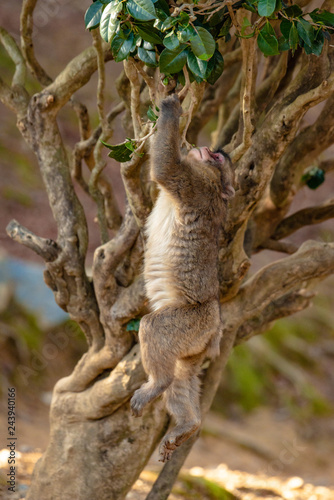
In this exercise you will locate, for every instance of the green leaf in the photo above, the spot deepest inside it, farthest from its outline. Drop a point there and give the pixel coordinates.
(119, 152)
(151, 115)
(162, 5)
(266, 7)
(285, 28)
(183, 18)
(267, 41)
(109, 22)
(293, 11)
(326, 18)
(147, 56)
(133, 325)
(225, 29)
(193, 77)
(197, 66)
(149, 34)
(283, 44)
(143, 10)
(181, 79)
(218, 17)
(305, 31)
(184, 34)
(171, 41)
(317, 44)
(202, 44)
(147, 45)
(248, 6)
(131, 145)
(246, 24)
(314, 177)
(172, 61)
(121, 47)
(168, 23)
(215, 67)
(293, 38)
(93, 15)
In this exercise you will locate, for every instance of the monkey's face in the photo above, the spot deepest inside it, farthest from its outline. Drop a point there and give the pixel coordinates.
(205, 155)
(219, 163)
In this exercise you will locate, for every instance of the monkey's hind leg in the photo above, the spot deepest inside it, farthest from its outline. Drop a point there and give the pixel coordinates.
(182, 401)
(157, 364)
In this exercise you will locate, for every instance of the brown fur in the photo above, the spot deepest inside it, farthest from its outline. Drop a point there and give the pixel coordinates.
(181, 275)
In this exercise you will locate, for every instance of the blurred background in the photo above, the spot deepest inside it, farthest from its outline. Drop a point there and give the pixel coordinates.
(273, 413)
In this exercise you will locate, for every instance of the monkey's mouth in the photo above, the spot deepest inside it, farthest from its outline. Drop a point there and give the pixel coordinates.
(216, 156)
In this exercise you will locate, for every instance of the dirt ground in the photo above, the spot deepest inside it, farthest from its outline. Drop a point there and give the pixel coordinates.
(265, 455)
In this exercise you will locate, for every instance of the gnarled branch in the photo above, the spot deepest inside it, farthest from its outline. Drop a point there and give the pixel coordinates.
(46, 248)
(305, 217)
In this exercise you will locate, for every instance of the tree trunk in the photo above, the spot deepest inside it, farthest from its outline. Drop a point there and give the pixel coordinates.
(101, 458)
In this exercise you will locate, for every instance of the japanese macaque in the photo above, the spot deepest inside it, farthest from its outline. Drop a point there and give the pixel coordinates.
(181, 274)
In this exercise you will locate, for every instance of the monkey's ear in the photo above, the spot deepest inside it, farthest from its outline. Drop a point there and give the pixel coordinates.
(228, 192)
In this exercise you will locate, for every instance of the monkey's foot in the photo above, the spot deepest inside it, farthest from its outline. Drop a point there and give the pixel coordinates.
(166, 449)
(137, 404)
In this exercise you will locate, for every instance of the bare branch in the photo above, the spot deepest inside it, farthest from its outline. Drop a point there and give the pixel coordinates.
(107, 395)
(269, 86)
(75, 75)
(149, 80)
(85, 149)
(249, 71)
(255, 168)
(92, 364)
(97, 43)
(99, 162)
(83, 117)
(106, 260)
(45, 248)
(305, 148)
(185, 89)
(326, 165)
(214, 96)
(312, 260)
(131, 302)
(284, 306)
(279, 246)
(16, 102)
(191, 103)
(305, 217)
(15, 54)
(26, 26)
(228, 120)
(132, 74)
(229, 5)
(16, 97)
(138, 201)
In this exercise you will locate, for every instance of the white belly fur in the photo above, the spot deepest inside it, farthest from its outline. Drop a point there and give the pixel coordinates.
(157, 270)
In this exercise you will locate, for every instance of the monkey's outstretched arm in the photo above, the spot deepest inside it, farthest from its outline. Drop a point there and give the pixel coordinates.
(166, 146)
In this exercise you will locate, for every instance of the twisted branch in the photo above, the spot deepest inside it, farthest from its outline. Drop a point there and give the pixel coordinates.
(48, 249)
(26, 27)
(305, 217)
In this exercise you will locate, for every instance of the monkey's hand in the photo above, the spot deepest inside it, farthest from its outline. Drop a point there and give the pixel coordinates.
(171, 106)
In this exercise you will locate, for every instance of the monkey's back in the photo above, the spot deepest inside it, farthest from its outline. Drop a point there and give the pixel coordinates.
(181, 255)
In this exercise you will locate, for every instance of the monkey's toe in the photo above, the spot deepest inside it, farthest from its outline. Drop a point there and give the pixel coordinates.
(166, 450)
